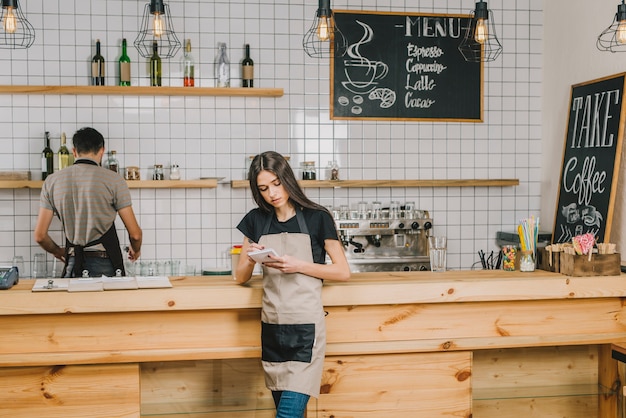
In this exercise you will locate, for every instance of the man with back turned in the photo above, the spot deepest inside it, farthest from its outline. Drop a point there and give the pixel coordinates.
(87, 199)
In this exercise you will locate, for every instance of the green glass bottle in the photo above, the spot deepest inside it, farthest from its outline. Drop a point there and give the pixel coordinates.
(47, 163)
(124, 66)
(155, 66)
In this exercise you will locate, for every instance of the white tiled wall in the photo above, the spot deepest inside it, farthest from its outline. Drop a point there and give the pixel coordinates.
(212, 136)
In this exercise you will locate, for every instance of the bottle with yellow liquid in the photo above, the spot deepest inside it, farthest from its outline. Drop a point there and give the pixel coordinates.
(65, 157)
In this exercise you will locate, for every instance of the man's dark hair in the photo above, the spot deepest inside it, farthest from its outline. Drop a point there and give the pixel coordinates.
(88, 141)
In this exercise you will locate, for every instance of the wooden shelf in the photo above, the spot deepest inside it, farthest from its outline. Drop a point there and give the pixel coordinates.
(239, 184)
(139, 184)
(143, 91)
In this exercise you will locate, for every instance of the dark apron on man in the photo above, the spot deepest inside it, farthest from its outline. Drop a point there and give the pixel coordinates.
(292, 318)
(109, 240)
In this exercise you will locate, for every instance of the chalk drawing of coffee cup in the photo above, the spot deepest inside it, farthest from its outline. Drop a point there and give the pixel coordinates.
(362, 75)
(361, 72)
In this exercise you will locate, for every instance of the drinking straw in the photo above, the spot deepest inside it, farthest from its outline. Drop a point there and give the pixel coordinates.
(528, 231)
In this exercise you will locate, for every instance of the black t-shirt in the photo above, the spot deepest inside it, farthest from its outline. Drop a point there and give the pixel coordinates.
(320, 223)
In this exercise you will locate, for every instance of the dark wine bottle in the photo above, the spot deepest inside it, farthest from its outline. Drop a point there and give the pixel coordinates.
(124, 64)
(155, 66)
(47, 162)
(247, 69)
(97, 67)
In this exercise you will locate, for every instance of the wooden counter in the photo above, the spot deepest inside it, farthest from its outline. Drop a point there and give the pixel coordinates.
(405, 343)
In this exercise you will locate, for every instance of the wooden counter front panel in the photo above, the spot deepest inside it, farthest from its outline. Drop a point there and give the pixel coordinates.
(471, 326)
(94, 391)
(418, 385)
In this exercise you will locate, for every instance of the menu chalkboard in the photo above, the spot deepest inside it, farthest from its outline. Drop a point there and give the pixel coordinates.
(404, 66)
(591, 160)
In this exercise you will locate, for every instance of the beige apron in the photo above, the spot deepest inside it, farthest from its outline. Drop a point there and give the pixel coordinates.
(293, 324)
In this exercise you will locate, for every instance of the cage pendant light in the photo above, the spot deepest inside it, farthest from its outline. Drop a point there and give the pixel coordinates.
(15, 30)
(481, 43)
(613, 38)
(324, 39)
(156, 26)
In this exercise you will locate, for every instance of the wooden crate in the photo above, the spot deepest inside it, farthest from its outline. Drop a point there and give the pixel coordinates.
(544, 260)
(600, 265)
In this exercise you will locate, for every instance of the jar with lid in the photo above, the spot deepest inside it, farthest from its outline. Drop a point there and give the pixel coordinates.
(158, 172)
(174, 172)
(132, 173)
(308, 170)
(112, 163)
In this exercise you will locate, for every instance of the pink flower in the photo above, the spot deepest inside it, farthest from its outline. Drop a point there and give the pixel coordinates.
(583, 243)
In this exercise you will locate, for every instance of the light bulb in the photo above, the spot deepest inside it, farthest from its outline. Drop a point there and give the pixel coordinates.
(482, 33)
(158, 26)
(10, 22)
(323, 32)
(620, 33)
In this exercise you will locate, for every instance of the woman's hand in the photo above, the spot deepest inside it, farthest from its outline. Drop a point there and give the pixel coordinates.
(286, 264)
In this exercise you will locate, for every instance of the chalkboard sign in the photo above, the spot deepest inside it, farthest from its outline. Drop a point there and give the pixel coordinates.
(404, 66)
(591, 160)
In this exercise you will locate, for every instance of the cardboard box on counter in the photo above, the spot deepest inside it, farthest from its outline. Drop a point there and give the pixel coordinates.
(580, 266)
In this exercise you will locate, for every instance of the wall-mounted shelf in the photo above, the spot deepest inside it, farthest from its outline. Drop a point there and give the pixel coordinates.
(143, 91)
(138, 184)
(239, 184)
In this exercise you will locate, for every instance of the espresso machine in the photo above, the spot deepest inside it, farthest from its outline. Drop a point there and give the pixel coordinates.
(391, 238)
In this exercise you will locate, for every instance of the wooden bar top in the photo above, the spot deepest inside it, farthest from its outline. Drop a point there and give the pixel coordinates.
(219, 292)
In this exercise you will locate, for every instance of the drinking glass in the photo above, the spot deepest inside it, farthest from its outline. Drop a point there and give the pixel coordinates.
(39, 266)
(438, 248)
(18, 261)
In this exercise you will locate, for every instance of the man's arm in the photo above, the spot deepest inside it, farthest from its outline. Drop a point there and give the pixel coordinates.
(43, 238)
(135, 235)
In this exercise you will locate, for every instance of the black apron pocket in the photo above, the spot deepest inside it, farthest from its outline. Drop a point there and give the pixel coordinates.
(287, 342)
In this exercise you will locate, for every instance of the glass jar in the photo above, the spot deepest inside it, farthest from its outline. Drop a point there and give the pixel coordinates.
(332, 171)
(132, 173)
(112, 163)
(508, 257)
(308, 170)
(174, 172)
(527, 261)
(158, 172)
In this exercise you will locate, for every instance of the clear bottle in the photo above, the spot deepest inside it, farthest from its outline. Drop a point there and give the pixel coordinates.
(188, 66)
(64, 154)
(155, 66)
(112, 163)
(222, 67)
(247, 69)
(124, 66)
(47, 162)
(332, 170)
(97, 67)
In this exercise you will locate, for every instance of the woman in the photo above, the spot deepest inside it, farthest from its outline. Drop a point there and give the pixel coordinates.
(293, 332)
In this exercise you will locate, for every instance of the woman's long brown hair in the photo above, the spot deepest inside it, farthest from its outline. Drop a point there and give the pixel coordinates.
(277, 164)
